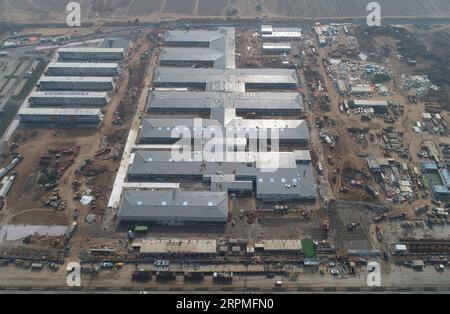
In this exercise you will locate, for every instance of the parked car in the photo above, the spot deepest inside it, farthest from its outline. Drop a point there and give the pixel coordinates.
(107, 265)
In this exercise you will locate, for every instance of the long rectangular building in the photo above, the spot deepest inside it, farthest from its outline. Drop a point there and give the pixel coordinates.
(66, 118)
(169, 131)
(174, 207)
(76, 83)
(277, 47)
(208, 48)
(191, 56)
(226, 80)
(179, 246)
(68, 99)
(377, 105)
(244, 103)
(268, 32)
(199, 38)
(282, 176)
(91, 53)
(83, 69)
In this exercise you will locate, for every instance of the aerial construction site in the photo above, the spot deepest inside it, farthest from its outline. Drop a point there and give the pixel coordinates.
(249, 153)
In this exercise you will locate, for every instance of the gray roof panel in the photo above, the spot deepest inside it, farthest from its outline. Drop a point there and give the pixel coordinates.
(182, 205)
(189, 76)
(251, 101)
(288, 178)
(287, 130)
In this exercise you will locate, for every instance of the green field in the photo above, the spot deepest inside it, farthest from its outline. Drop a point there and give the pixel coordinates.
(308, 248)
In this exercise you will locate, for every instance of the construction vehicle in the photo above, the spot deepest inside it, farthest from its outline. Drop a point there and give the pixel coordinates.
(278, 285)
(352, 226)
(53, 267)
(107, 265)
(398, 217)
(371, 191)
(440, 267)
(36, 266)
(345, 190)
(380, 218)
(378, 233)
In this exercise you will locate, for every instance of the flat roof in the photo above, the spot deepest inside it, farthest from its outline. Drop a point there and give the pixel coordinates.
(224, 79)
(69, 94)
(370, 103)
(363, 88)
(190, 54)
(302, 155)
(193, 55)
(83, 65)
(115, 42)
(184, 36)
(99, 79)
(91, 49)
(254, 101)
(221, 47)
(174, 128)
(286, 46)
(266, 28)
(274, 173)
(193, 246)
(429, 165)
(282, 245)
(174, 204)
(60, 111)
(280, 32)
(297, 183)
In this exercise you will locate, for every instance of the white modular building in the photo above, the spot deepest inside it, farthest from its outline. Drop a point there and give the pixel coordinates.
(277, 47)
(268, 32)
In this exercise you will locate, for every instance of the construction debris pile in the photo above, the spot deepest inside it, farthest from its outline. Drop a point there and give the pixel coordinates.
(53, 165)
(54, 201)
(392, 142)
(107, 150)
(393, 178)
(357, 78)
(433, 123)
(326, 34)
(419, 84)
(445, 149)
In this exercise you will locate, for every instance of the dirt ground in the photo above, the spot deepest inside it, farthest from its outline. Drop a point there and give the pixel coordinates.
(25, 203)
(344, 213)
(31, 11)
(345, 162)
(250, 222)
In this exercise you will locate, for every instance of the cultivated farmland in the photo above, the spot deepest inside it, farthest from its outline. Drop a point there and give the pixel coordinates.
(149, 10)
